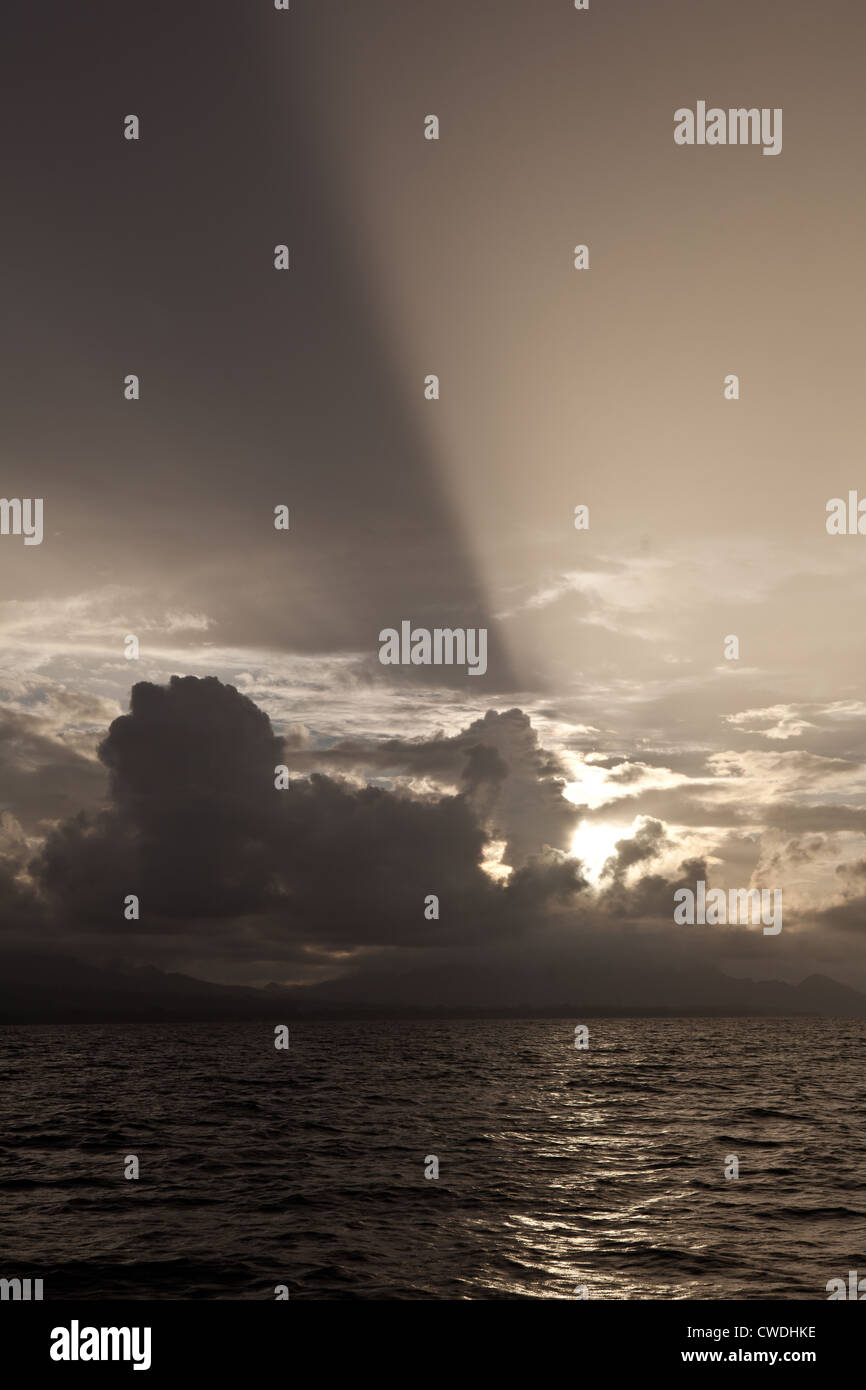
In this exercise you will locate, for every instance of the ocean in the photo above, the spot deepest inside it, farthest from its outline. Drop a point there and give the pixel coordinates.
(562, 1173)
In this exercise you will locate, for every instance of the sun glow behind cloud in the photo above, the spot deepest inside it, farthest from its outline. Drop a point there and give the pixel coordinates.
(593, 844)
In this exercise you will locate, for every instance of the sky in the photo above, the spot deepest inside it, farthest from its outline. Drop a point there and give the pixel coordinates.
(611, 752)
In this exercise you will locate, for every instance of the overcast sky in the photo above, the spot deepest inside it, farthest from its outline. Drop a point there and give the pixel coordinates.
(610, 752)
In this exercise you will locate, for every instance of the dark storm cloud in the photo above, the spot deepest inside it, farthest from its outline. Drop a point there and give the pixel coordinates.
(228, 869)
(326, 882)
(198, 832)
(191, 776)
(514, 784)
(651, 897)
(648, 841)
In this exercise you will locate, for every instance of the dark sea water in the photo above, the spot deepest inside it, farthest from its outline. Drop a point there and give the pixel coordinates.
(602, 1168)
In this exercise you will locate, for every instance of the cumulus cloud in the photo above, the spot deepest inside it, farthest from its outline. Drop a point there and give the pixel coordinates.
(646, 843)
(325, 883)
(197, 830)
(515, 785)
